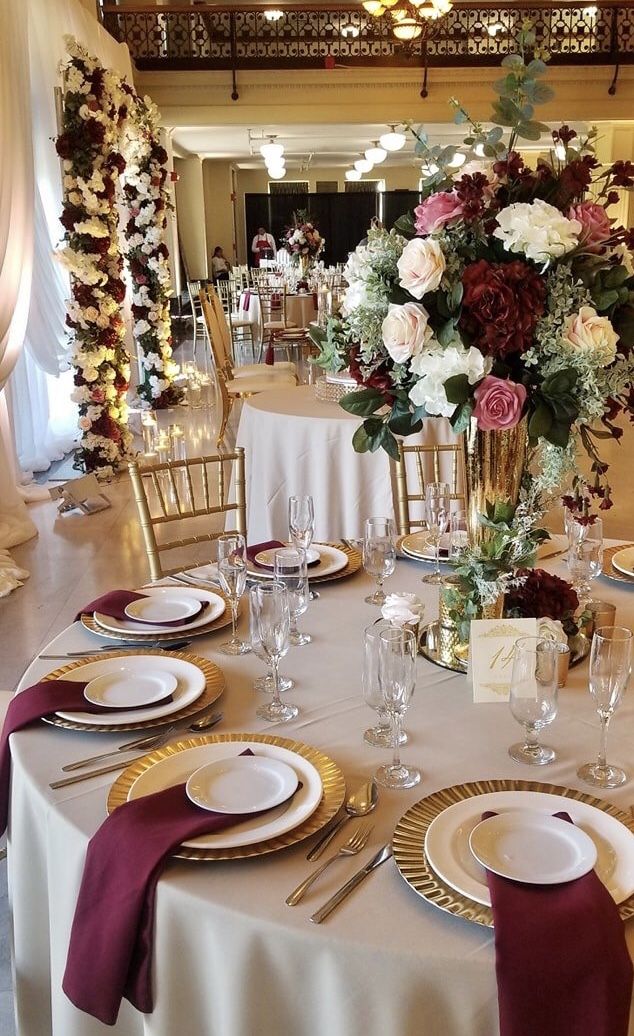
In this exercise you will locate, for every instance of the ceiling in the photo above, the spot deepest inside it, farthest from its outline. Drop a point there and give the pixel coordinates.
(336, 145)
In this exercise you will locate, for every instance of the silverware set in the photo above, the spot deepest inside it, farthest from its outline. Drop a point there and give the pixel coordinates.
(175, 645)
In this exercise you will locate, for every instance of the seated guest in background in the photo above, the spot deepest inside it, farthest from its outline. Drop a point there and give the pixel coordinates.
(220, 266)
(263, 246)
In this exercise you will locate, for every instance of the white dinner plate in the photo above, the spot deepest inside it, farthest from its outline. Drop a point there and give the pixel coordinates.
(127, 687)
(241, 784)
(167, 607)
(178, 768)
(447, 840)
(533, 847)
(623, 561)
(331, 560)
(417, 546)
(266, 558)
(215, 608)
(191, 684)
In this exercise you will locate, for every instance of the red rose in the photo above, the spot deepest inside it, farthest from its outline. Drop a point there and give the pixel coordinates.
(65, 145)
(501, 305)
(95, 131)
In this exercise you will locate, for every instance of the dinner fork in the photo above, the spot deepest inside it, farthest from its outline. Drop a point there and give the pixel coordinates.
(354, 845)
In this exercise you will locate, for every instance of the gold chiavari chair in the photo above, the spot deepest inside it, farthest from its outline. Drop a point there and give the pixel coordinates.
(193, 289)
(186, 491)
(430, 463)
(240, 328)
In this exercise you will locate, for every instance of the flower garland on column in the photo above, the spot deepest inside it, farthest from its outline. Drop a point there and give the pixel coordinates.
(148, 201)
(93, 112)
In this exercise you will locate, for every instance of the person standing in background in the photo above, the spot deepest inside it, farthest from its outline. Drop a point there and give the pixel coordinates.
(263, 246)
(220, 266)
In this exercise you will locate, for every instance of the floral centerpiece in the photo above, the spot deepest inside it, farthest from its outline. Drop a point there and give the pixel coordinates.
(303, 240)
(506, 304)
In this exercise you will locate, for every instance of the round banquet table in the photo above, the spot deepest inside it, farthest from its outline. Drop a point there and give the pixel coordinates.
(300, 309)
(231, 959)
(296, 444)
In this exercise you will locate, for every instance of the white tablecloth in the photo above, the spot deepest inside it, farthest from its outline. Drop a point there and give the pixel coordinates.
(295, 444)
(231, 959)
(300, 309)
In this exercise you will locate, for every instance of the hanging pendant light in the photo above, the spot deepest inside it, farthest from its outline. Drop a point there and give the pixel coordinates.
(407, 29)
(353, 174)
(363, 166)
(376, 154)
(271, 150)
(392, 141)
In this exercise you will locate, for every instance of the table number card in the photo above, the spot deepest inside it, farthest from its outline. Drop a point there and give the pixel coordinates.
(491, 655)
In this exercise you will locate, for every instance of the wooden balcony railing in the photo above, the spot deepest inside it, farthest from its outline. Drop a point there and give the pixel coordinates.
(316, 35)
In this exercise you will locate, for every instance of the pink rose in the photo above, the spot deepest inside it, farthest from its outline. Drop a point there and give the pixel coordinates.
(499, 403)
(421, 266)
(437, 210)
(595, 225)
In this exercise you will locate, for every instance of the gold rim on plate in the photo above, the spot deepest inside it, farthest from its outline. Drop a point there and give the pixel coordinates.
(214, 680)
(355, 561)
(89, 622)
(608, 568)
(332, 781)
(409, 841)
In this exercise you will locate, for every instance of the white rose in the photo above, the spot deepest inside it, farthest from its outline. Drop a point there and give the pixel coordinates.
(590, 333)
(406, 331)
(90, 373)
(402, 608)
(421, 266)
(551, 629)
(537, 229)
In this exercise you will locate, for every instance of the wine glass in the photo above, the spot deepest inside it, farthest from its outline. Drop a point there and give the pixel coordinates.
(585, 556)
(272, 622)
(290, 570)
(610, 667)
(301, 521)
(232, 573)
(381, 735)
(379, 554)
(263, 683)
(437, 504)
(458, 534)
(397, 676)
(533, 699)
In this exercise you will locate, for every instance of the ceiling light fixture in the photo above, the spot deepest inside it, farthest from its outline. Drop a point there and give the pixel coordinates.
(374, 7)
(349, 32)
(458, 160)
(353, 174)
(277, 174)
(495, 28)
(560, 152)
(376, 154)
(392, 141)
(363, 166)
(273, 15)
(410, 18)
(407, 29)
(271, 150)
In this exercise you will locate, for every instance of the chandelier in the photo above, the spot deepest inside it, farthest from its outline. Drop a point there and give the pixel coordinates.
(409, 18)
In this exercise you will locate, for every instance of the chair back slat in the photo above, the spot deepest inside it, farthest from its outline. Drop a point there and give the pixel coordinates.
(434, 454)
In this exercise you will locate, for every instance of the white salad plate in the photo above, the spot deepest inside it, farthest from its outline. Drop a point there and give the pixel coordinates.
(168, 607)
(447, 840)
(331, 560)
(242, 784)
(189, 686)
(533, 847)
(417, 546)
(215, 608)
(623, 561)
(126, 687)
(178, 768)
(266, 558)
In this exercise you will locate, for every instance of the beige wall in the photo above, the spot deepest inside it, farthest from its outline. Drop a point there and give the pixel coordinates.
(190, 209)
(219, 208)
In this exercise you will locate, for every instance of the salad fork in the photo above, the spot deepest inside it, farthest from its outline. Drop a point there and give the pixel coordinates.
(354, 845)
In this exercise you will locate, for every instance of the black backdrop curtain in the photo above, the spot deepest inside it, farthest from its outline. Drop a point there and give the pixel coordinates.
(342, 219)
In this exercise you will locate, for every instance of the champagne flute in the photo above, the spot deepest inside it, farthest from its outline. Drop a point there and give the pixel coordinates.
(263, 683)
(397, 676)
(437, 504)
(290, 570)
(232, 573)
(458, 534)
(272, 619)
(379, 736)
(379, 554)
(610, 667)
(301, 521)
(533, 699)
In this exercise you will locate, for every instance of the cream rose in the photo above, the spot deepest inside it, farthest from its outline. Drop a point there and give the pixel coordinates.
(421, 266)
(406, 331)
(587, 331)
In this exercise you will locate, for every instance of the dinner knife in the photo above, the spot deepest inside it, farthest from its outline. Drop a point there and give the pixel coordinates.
(77, 777)
(376, 861)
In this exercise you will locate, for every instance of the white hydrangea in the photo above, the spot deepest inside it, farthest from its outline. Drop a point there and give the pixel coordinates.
(538, 230)
(435, 367)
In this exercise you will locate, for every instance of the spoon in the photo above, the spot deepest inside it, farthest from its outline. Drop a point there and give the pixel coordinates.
(358, 804)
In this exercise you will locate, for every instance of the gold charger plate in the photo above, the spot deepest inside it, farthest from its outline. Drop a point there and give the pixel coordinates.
(332, 780)
(609, 570)
(89, 622)
(409, 840)
(214, 678)
(405, 547)
(355, 560)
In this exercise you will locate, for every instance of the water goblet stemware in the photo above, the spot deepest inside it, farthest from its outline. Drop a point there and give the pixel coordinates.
(232, 573)
(263, 683)
(290, 570)
(380, 736)
(397, 676)
(301, 521)
(437, 504)
(610, 667)
(533, 698)
(272, 619)
(458, 534)
(379, 554)
(585, 556)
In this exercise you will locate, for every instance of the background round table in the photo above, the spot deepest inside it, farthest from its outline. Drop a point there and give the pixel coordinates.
(296, 444)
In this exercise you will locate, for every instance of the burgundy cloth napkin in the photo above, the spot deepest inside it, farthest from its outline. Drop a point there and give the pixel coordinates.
(30, 705)
(112, 936)
(269, 356)
(245, 300)
(115, 602)
(562, 964)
